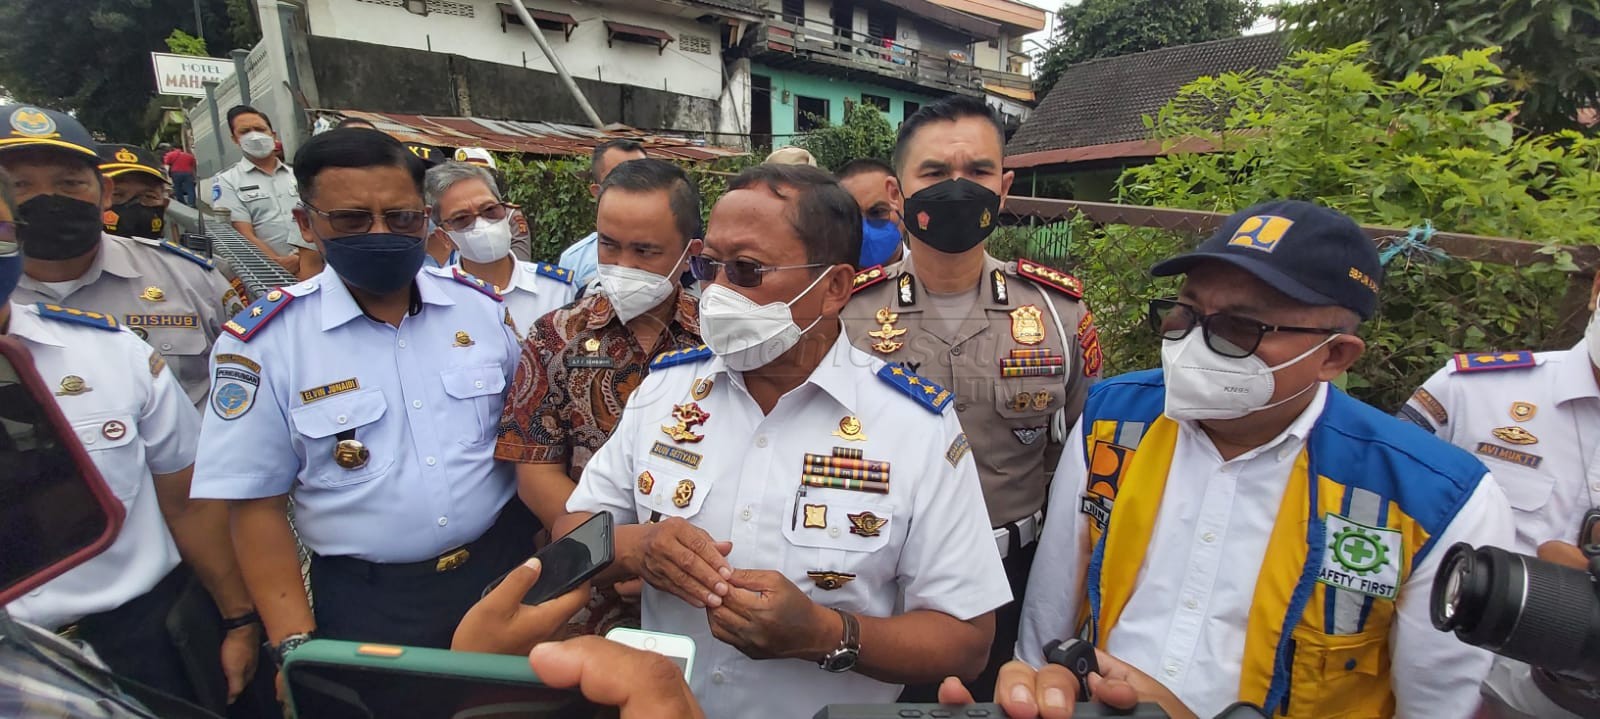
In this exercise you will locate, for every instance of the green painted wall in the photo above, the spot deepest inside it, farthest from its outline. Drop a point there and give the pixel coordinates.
(834, 90)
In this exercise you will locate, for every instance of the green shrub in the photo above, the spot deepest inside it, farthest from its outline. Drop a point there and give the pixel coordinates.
(1432, 146)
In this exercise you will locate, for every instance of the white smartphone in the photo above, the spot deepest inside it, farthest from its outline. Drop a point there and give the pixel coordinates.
(678, 648)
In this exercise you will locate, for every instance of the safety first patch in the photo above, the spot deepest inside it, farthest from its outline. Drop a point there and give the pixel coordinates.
(1360, 558)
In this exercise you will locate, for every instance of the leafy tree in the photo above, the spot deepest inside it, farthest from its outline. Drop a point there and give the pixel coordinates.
(1108, 28)
(1550, 48)
(182, 43)
(1403, 152)
(244, 30)
(865, 133)
(92, 57)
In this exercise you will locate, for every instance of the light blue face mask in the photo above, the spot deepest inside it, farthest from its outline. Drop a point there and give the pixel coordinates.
(879, 240)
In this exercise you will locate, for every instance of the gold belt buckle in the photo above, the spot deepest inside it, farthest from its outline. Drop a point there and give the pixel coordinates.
(453, 560)
(68, 632)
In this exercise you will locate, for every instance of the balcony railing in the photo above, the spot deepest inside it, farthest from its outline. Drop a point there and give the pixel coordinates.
(784, 42)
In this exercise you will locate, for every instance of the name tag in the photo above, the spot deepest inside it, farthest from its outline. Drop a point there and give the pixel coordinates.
(590, 361)
(329, 390)
(185, 322)
(676, 454)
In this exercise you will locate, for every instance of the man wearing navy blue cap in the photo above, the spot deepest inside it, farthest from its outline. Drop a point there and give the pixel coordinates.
(1231, 527)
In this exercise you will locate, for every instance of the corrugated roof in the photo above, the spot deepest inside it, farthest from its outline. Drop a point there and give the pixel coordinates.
(1101, 102)
(539, 138)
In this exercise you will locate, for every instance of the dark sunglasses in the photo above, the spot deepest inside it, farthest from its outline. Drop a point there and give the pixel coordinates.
(1226, 334)
(744, 273)
(355, 222)
(493, 213)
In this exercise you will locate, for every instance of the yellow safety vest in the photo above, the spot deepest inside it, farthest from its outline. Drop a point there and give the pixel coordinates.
(1365, 499)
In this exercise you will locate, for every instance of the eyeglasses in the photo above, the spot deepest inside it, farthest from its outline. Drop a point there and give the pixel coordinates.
(744, 273)
(493, 213)
(1226, 334)
(355, 222)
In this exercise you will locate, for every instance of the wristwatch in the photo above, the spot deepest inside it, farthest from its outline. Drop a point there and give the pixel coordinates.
(844, 658)
(289, 644)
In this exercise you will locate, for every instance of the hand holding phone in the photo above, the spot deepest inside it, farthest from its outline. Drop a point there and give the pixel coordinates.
(501, 624)
(678, 648)
(570, 560)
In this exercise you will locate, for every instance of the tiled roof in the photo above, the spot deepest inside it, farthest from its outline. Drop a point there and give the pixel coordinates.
(1103, 101)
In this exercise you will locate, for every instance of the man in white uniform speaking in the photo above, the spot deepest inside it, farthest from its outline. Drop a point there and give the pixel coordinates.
(808, 514)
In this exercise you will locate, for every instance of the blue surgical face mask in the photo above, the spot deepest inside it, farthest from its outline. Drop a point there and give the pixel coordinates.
(879, 240)
(378, 262)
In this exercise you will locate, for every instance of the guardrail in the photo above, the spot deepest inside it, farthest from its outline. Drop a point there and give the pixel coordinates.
(237, 256)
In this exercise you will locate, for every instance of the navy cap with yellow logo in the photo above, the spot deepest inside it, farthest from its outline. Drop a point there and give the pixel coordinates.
(1311, 253)
(33, 126)
(122, 159)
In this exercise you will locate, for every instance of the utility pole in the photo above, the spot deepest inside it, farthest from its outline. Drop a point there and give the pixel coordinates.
(199, 25)
(561, 70)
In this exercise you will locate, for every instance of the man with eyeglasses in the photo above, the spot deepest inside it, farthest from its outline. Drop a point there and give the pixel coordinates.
(1238, 529)
(369, 395)
(466, 204)
(171, 297)
(1535, 420)
(810, 515)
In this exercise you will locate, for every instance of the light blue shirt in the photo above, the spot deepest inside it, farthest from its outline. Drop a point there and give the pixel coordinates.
(583, 258)
(424, 399)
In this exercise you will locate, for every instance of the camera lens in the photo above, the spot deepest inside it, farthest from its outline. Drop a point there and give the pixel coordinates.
(1534, 611)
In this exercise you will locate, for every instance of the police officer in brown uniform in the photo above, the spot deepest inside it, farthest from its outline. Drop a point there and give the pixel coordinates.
(171, 297)
(1014, 340)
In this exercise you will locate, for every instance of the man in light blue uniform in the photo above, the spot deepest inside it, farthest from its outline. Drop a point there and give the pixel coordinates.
(370, 395)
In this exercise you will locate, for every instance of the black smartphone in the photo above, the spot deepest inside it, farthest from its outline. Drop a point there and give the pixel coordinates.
(570, 560)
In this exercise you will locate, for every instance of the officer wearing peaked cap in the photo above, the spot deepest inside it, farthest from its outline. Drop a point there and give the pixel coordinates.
(169, 296)
(1534, 419)
(1013, 340)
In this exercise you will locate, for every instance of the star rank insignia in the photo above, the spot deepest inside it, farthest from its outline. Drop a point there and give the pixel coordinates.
(829, 581)
(688, 416)
(866, 524)
(888, 333)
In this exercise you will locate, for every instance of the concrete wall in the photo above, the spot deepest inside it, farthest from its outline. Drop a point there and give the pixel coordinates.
(834, 90)
(585, 55)
(364, 76)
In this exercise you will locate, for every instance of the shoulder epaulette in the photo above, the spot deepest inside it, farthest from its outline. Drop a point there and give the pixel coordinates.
(868, 277)
(931, 396)
(683, 356)
(188, 254)
(245, 324)
(76, 316)
(475, 283)
(1050, 277)
(1485, 361)
(554, 272)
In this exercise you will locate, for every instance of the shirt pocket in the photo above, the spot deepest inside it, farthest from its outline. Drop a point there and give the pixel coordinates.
(320, 424)
(1527, 491)
(109, 440)
(1343, 676)
(838, 545)
(1026, 404)
(479, 391)
(665, 489)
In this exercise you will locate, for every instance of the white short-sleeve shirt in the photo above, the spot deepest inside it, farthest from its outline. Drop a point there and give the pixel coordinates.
(742, 483)
(134, 420)
(532, 295)
(423, 399)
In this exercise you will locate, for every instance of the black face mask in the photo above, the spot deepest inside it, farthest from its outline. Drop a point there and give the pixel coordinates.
(952, 216)
(56, 227)
(131, 219)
